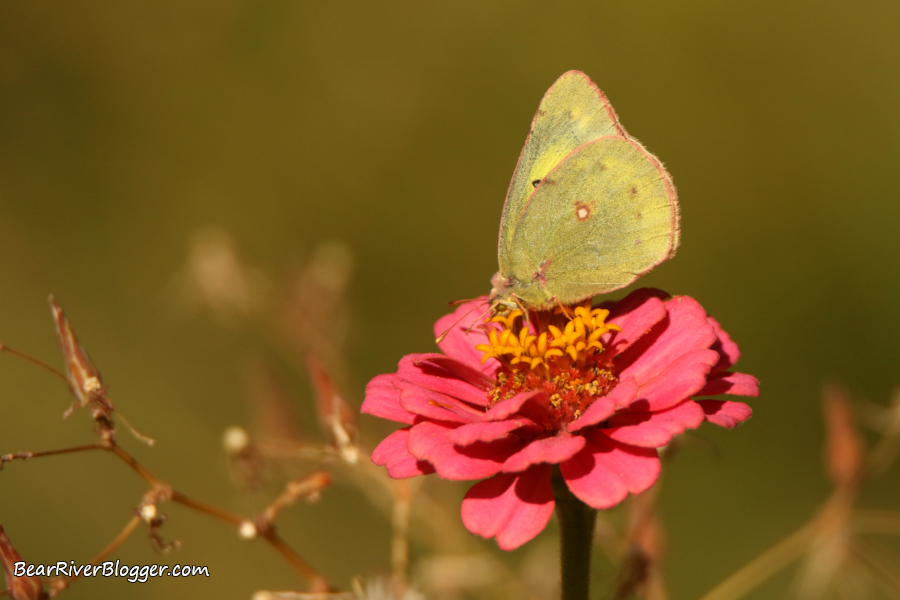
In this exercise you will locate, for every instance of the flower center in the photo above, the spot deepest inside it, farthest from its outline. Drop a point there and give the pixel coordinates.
(558, 351)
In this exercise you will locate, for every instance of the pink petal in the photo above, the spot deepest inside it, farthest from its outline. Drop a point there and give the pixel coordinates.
(446, 375)
(685, 330)
(429, 441)
(434, 405)
(727, 349)
(726, 382)
(656, 429)
(636, 314)
(487, 431)
(511, 507)
(393, 454)
(460, 341)
(551, 450)
(602, 408)
(725, 413)
(383, 400)
(681, 379)
(531, 405)
(603, 473)
(464, 371)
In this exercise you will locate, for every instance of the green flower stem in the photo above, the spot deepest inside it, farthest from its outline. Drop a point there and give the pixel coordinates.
(576, 534)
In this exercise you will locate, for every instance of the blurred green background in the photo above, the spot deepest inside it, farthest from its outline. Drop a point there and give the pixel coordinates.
(394, 126)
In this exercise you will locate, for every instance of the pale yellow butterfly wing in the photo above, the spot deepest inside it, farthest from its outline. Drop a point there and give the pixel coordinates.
(604, 216)
(572, 112)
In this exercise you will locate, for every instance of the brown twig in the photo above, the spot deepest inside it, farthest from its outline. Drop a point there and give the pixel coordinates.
(163, 492)
(29, 455)
(61, 583)
(34, 361)
(317, 583)
(213, 511)
(308, 487)
(135, 465)
(84, 382)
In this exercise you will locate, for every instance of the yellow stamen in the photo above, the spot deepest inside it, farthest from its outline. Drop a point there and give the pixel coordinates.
(525, 350)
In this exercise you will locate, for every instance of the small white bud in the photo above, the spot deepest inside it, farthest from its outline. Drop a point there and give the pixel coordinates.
(247, 530)
(148, 512)
(235, 440)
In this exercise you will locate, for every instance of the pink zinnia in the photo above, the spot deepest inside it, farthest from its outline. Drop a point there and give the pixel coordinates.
(595, 391)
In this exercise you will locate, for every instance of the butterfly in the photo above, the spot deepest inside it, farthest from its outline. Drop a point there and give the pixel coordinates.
(588, 210)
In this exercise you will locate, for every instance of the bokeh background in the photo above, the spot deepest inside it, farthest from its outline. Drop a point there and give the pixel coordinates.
(127, 130)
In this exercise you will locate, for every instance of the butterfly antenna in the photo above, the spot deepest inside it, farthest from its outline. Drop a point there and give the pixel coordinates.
(441, 337)
(458, 302)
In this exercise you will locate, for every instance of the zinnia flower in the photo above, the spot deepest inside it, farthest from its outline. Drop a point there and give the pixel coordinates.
(595, 391)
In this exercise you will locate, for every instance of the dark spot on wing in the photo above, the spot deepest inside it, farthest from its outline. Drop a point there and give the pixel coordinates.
(633, 191)
(535, 182)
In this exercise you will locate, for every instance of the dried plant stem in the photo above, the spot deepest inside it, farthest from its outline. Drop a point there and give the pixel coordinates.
(29, 455)
(296, 451)
(32, 360)
(576, 532)
(885, 522)
(317, 583)
(62, 583)
(399, 542)
(308, 487)
(135, 465)
(212, 511)
(162, 491)
(881, 563)
(119, 539)
(765, 565)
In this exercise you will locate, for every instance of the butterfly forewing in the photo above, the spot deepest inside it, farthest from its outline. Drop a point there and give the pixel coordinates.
(572, 112)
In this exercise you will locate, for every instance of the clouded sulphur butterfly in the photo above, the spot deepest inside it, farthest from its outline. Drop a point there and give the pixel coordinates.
(588, 210)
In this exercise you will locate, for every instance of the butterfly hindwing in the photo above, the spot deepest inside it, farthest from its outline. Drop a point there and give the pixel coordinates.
(605, 215)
